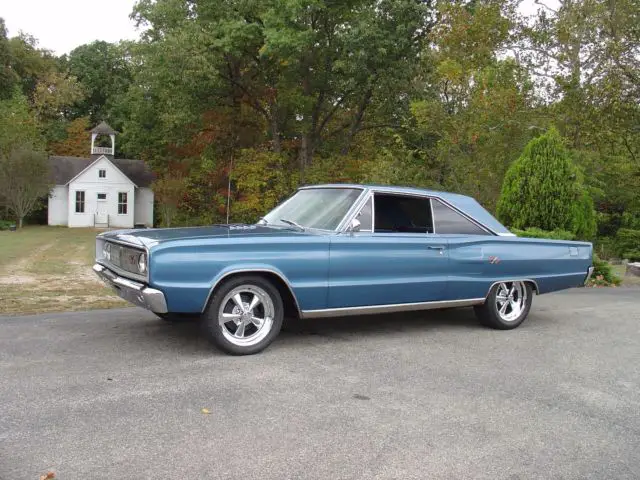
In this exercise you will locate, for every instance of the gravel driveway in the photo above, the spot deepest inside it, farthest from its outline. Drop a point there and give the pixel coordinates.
(119, 394)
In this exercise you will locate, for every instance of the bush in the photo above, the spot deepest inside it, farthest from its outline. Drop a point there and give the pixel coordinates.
(603, 274)
(628, 243)
(543, 189)
(604, 247)
(539, 233)
(6, 224)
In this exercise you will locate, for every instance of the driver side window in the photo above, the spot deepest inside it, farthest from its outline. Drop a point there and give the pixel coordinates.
(402, 214)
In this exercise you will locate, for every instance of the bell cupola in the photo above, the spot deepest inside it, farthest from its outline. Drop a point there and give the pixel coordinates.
(103, 140)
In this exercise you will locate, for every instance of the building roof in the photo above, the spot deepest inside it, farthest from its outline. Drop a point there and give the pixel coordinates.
(104, 128)
(64, 169)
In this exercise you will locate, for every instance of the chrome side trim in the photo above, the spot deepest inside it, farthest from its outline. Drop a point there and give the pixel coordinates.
(400, 307)
(253, 270)
(137, 293)
(535, 284)
(589, 274)
(433, 219)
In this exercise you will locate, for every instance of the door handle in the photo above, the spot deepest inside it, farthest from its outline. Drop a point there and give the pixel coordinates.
(440, 248)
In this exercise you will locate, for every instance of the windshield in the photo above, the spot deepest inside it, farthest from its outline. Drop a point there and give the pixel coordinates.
(322, 208)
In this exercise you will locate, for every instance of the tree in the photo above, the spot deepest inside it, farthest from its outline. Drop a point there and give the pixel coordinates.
(316, 74)
(105, 73)
(8, 77)
(24, 180)
(542, 189)
(76, 143)
(18, 125)
(169, 191)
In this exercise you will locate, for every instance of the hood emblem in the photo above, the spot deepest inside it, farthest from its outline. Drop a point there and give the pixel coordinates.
(494, 260)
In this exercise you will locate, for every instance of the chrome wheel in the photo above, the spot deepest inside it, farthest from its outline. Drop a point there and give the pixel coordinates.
(246, 315)
(511, 300)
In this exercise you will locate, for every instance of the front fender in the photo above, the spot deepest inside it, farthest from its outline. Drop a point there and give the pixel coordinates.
(249, 268)
(188, 273)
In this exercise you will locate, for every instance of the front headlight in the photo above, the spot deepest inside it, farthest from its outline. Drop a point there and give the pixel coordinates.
(106, 251)
(142, 263)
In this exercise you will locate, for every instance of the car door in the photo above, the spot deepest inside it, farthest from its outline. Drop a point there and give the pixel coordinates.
(475, 260)
(394, 258)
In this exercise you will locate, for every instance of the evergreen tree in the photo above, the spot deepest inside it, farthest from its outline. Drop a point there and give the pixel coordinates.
(542, 189)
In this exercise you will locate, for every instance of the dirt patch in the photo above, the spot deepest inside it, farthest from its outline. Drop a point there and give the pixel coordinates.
(44, 269)
(17, 279)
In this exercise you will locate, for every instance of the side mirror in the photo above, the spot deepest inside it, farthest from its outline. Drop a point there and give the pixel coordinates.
(355, 225)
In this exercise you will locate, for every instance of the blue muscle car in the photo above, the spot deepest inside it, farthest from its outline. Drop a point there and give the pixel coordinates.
(335, 250)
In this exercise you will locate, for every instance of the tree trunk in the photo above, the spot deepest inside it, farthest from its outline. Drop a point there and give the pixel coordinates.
(303, 155)
(274, 128)
(357, 121)
(20, 222)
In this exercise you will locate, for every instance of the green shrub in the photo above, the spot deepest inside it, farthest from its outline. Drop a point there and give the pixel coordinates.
(5, 224)
(543, 189)
(605, 247)
(539, 233)
(627, 243)
(603, 273)
(632, 255)
(584, 224)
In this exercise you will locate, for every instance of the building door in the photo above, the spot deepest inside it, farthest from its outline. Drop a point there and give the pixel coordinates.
(102, 216)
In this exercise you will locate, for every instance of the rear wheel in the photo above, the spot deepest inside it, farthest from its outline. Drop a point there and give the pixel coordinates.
(244, 315)
(507, 305)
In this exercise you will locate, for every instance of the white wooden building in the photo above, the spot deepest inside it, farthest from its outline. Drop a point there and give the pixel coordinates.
(100, 191)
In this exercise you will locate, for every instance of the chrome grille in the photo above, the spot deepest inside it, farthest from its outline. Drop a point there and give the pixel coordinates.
(125, 258)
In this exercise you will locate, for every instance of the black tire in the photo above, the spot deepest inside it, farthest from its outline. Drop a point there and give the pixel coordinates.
(270, 308)
(489, 312)
(178, 317)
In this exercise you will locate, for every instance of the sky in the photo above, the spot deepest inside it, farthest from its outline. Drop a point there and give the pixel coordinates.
(62, 25)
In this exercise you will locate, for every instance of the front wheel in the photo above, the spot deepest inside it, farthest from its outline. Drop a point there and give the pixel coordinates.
(507, 305)
(245, 315)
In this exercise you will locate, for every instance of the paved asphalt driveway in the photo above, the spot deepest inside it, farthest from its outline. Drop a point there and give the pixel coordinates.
(119, 394)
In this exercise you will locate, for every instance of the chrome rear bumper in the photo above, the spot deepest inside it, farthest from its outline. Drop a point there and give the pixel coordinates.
(134, 292)
(589, 273)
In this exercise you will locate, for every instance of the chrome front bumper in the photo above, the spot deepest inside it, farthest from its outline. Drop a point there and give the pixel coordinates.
(589, 273)
(134, 292)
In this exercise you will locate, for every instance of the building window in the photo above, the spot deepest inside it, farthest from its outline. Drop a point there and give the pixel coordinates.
(79, 202)
(122, 203)
(102, 196)
(102, 173)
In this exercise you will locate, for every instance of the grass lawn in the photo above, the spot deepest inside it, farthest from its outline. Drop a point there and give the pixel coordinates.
(48, 269)
(619, 270)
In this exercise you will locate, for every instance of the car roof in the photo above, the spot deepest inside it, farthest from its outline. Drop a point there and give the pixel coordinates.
(467, 205)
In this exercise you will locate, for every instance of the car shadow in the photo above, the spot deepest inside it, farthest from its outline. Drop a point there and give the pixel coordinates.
(384, 323)
(188, 336)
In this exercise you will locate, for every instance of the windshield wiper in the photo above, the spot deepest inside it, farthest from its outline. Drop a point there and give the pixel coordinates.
(291, 222)
(263, 220)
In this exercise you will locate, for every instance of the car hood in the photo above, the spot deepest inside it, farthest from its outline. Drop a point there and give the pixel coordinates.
(149, 237)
